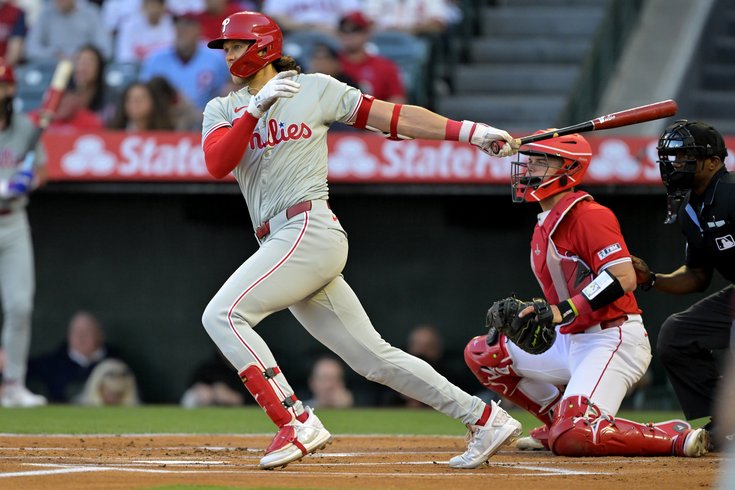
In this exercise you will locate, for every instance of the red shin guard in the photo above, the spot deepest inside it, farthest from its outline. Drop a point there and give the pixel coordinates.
(492, 365)
(258, 382)
(579, 429)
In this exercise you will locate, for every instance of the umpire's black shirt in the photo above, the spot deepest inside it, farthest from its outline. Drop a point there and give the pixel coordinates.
(708, 222)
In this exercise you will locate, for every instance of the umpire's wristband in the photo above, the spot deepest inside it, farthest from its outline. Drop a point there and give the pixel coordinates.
(646, 286)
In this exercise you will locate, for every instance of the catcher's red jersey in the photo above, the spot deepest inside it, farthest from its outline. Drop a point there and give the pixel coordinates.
(571, 245)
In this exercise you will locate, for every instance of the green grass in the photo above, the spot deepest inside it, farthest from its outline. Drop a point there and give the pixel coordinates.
(66, 419)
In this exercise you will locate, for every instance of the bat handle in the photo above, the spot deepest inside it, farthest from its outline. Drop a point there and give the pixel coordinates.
(496, 145)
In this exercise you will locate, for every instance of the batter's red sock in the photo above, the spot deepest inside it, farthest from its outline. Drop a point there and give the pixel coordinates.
(485, 416)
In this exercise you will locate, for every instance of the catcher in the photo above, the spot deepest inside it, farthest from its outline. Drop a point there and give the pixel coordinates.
(587, 335)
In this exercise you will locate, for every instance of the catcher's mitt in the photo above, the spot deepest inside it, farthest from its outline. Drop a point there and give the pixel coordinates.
(534, 333)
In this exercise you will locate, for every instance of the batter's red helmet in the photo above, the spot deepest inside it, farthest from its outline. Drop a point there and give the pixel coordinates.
(576, 153)
(256, 27)
(7, 75)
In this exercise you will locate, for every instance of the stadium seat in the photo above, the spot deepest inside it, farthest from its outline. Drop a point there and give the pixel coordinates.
(32, 80)
(299, 45)
(120, 75)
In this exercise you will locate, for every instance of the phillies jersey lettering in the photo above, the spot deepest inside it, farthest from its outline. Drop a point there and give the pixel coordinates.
(286, 159)
(279, 132)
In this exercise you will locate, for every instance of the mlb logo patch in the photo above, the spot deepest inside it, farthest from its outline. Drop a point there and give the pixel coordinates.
(609, 250)
(725, 242)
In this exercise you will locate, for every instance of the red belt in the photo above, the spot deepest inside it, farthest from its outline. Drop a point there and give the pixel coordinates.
(4, 212)
(263, 230)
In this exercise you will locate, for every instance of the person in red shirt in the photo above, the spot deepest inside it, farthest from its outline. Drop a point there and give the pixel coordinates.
(214, 13)
(601, 348)
(72, 115)
(376, 75)
(13, 30)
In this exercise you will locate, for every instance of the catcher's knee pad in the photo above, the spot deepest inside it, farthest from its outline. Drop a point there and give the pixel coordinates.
(580, 429)
(493, 367)
(259, 383)
(491, 364)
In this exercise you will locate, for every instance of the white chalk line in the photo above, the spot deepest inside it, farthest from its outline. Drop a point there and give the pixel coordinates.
(62, 469)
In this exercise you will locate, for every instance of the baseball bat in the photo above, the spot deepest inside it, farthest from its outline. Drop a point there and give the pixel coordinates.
(49, 105)
(627, 117)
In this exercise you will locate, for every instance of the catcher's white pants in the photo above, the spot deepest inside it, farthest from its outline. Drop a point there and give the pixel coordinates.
(601, 365)
(298, 267)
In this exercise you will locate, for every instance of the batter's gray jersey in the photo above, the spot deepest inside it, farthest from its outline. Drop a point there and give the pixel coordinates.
(14, 144)
(273, 177)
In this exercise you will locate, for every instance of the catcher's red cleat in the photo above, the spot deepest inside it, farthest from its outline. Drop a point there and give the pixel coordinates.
(294, 441)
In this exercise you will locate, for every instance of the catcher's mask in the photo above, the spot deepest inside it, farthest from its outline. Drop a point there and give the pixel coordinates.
(266, 37)
(571, 155)
(680, 149)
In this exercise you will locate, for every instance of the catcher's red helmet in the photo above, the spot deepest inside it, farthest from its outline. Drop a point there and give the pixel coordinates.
(573, 149)
(7, 75)
(256, 27)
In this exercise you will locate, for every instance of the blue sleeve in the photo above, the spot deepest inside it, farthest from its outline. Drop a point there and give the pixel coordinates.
(20, 28)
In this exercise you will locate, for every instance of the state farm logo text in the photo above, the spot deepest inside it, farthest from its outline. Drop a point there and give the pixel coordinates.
(136, 155)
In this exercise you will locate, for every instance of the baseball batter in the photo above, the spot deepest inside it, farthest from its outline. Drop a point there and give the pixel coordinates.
(16, 250)
(271, 135)
(599, 347)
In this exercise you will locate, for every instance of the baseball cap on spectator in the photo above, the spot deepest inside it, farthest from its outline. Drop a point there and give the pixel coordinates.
(708, 138)
(354, 22)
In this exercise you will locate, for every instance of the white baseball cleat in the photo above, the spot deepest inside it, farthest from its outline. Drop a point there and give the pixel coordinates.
(294, 441)
(486, 440)
(536, 440)
(18, 396)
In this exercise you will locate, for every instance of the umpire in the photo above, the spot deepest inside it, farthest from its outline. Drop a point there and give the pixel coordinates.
(701, 197)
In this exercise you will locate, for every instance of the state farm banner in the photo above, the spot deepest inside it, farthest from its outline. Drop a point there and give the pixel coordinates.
(117, 156)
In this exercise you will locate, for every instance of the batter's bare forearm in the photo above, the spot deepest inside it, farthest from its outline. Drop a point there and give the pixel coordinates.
(413, 121)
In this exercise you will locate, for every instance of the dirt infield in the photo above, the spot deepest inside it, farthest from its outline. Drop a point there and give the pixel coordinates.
(359, 462)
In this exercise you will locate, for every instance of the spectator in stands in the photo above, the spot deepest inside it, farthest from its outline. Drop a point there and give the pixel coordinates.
(214, 383)
(111, 382)
(325, 59)
(63, 27)
(88, 81)
(31, 8)
(144, 31)
(138, 109)
(376, 75)
(181, 7)
(215, 12)
(425, 342)
(198, 73)
(327, 385)
(309, 15)
(13, 32)
(72, 115)
(61, 374)
(410, 16)
(183, 114)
